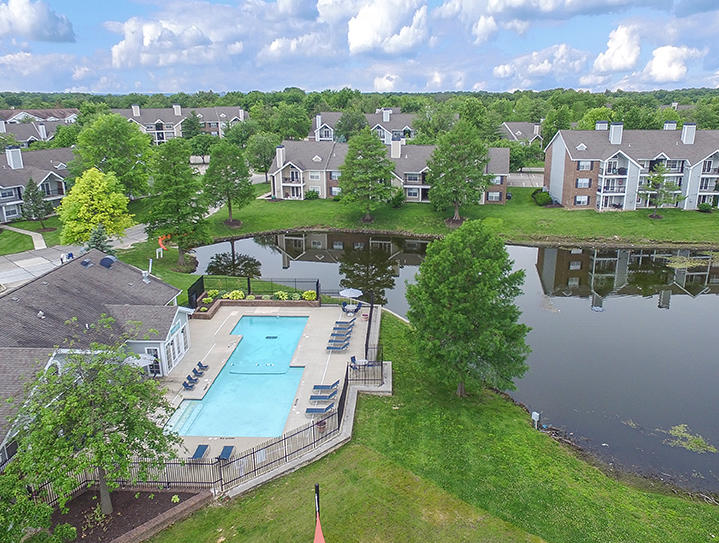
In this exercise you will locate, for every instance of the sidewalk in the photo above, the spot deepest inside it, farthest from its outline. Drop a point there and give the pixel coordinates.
(37, 240)
(134, 234)
(19, 268)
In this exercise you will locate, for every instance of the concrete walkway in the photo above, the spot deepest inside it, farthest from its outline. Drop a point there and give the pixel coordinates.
(37, 240)
(19, 268)
(134, 234)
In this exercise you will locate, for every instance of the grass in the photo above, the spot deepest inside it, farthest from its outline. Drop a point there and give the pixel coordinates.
(12, 242)
(424, 465)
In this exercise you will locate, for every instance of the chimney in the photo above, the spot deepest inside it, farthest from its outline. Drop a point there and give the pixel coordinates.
(537, 128)
(601, 125)
(241, 115)
(42, 131)
(135, 110)
(14, 158)
(2, 126)
(670, 125)
(689, 130)
(395, 150)
(318, 121)
(386, 115)
(615, 133)
(280, 156)
(675, 105)
(176, 108)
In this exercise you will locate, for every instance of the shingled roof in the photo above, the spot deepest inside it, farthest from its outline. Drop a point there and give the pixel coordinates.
(23, 132)
(36, 165)
(53, 113)
(167, 114)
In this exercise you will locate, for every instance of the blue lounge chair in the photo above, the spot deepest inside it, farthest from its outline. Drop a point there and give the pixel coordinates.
(201, 366)
(340, 340)
(226, 452)
(188, 387)
(323, 397)
(327, 387)
(199, 452)
(319, 410)
(344, 323)
(341, 333)
(197, 373)
(343, 328)
(338, 347)
(359, 306)
(192, 380)
(344, 306)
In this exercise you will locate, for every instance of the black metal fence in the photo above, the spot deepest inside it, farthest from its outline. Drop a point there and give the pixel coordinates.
(249, 285)
(369, 371)
(194, 291)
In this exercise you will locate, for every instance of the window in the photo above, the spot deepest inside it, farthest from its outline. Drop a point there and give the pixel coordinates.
(154, 368)
(294, 176)
(338, 245)
(396, 134)
(411, 177)
(705, 183)
(150, 126)
(213, 125)
(584, 165)
(573, 282)
(358, 245)
(412, 193)
(316, 244)
(11, 211)
(644, 164)
(168, 126)
(315, 188)
(325, 133)
(581, 200)
(335, 175)
(674, 165)
(494, 196)
(497, 180)
(583, 183)
(314, 176)
(707, 166)
(335, 191)
(214, 133)
(575, 265)
(380, 133)
(7, 193)
(576, 251)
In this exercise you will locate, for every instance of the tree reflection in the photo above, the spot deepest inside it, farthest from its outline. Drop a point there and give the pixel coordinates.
(234, 264)
(649, 277)
(369, 270)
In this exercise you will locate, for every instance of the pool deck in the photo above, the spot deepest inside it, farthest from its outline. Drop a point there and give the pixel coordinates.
(213, 343)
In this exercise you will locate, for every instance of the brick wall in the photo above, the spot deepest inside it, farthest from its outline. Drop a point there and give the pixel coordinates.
(571, 174)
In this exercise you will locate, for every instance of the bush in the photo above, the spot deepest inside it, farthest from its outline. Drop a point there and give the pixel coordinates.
(203, 309)
(213, 293)
(266, 297)
(312, 195)
(397, 199)
(309, 295)
(541, 198)
(250, 297)
(337, 198)
(705, 207)
(236, 295)
(208, 300)
(281, 295)
(296, 296)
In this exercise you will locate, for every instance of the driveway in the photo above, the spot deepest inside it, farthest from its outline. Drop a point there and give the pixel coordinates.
(525, 179)
(19, 268)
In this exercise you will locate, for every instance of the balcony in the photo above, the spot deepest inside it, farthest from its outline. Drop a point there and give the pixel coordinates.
(710, 172)
(292, 181)
(621, 170)
(613, 188)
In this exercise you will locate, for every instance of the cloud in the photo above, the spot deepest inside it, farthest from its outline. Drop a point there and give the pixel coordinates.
(483, 29)
(593, 80)
(386, 83)
(308, 45)
(297, 8)
(518, 25)
(558, 60)
(384, 25)
(668, 63)
(34, 21)
(622, 50)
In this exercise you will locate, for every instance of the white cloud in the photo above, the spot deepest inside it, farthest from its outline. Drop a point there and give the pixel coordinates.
(518, 25)
(386, 83)
(311, 45)
(297, 8)
(80, 72)
(593, 80)
(483, 29)
(384, 25)
(435, 81)
(33, 21)
(503, 71)
(333, 11)
(622, 50)
(668, 63)
(557, 60)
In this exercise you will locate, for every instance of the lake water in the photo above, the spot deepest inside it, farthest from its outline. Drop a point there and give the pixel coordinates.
(624, 347)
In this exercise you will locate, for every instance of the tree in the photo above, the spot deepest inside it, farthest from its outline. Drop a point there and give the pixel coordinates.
(261, 151)
(239, 133)
(349, 124)
(34, 205)
(191, 126)
(66, 135)
(366, 173)
(95, 414)
(456, 169)
(95, 198)
(19, 512)
(201, 144)
(590, 118)
(557, 119)
(370, 270)
(99, 240)
(433, 120)
(112, 144)
(236, 265)
(179, 206)
(8, 140)
(291, 122)
(227, 179)
(661, 190)
(462, 310)
(485, 122)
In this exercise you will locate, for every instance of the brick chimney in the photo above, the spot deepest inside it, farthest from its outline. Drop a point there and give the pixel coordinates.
(14, 158)
(135, 110)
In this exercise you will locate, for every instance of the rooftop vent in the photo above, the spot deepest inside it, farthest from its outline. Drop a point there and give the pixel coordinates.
(40, 314)
(146, 277)
(581, 147)
(86, 263)
(316, 158)
(108, 261)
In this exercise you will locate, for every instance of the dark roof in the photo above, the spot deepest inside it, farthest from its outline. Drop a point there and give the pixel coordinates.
(412, 159)
(24, 131)
(57, 113)
(498, 162)
(36, 165)
(397, 120)
(167, 114)
(18, 366)
(75, 291)
(519, 131)
(151, 322)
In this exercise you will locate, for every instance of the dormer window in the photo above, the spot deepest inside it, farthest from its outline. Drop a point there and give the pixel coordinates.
(581, 147)
(316, 158)
(325, 133)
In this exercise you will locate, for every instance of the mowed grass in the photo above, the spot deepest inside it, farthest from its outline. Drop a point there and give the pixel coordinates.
(424, 465)
(12, 242)
(51, 238)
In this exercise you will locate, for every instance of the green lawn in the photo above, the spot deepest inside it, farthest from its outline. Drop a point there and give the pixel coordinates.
(424, 465)
(12, 242)
(51, 238)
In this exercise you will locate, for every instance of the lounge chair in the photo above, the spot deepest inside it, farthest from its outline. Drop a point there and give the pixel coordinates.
(342, 328)
(344, 305)
(341, 333)
(201, 366)
(338, 347)
(192, 380)
(199, 452)
(323, 397)
(197, 373)
(344, 323)
(319, 410)
(226, 452)
(327, 387)
(188, 386)
(340, 340)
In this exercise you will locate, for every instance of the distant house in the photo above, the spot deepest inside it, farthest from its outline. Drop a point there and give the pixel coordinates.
(65, 115)
(387, 123)
(26, 133)
(302, 166)
(522, 132)
(33, 320)
(47, 167)
(166, 123)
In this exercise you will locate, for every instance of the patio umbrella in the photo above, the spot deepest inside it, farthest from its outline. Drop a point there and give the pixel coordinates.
(351, 293)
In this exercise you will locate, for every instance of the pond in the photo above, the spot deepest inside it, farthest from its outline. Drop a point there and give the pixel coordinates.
(624, 342)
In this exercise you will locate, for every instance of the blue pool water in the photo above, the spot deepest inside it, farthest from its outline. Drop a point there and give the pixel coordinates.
(253, 394)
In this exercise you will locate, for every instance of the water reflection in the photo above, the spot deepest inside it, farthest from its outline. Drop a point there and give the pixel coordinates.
(234, 264)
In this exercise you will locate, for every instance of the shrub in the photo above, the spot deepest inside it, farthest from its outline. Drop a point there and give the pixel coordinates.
(236, 295)
(203, 309)
(397, 199)
(337, 198)
(705, 207)
(281, 295)
(250, 297)
(541, 198)
(208, 300)
(309, 295)
(295, 296)
(266, 297)
(213, 293)
(312, 195)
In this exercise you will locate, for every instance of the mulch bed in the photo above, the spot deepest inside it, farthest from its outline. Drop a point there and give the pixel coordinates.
(130, 509)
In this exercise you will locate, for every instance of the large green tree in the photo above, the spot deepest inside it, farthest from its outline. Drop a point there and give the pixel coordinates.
(456, 169)
(227, 179)
(366, 174)
(179, 207)
(291, 122)
(590, 118)
(114, 145)
(557, 119)
(96, 414)
(466, 324)
(34, 205)
(349, 124)
(239, 133)
(95, 198)
(20, 514)
(661, 190)
(191, 126)
(261, 151)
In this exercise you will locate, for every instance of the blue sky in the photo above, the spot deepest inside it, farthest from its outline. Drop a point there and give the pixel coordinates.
(384, 45)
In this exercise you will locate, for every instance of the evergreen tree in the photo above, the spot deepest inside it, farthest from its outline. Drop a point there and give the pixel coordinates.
(99, 240)
(191, 126)
(34, 205)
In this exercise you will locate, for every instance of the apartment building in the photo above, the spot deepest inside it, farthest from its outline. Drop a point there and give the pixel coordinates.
(387, 123)
(302, 166)
(526, 133)
(27, 132)
(607, 168)
(16, 116)
(166, 123)
(47, 167)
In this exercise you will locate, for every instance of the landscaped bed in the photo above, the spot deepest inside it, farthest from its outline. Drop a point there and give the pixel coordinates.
(210, 301)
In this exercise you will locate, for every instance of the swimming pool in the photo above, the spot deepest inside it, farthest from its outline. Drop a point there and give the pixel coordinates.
(253, 394)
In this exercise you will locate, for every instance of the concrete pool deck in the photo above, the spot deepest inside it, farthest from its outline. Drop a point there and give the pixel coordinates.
(213, 343)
